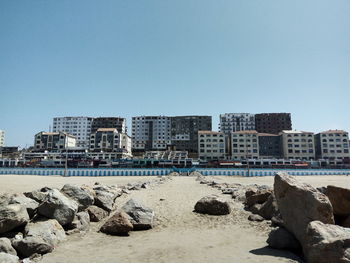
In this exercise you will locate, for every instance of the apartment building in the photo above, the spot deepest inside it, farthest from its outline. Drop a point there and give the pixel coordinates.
(118, 123)
(332, 145)
(232, 122)
(80, 127)
(53, 141)
(211, 145)
(298, 145)
(244, 145)
(270, 146)
(2, 138)
(273, 123)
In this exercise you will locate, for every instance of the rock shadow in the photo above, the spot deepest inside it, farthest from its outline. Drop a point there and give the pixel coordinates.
(267, 251)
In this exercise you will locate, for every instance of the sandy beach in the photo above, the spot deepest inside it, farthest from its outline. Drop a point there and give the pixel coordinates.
(180, 235)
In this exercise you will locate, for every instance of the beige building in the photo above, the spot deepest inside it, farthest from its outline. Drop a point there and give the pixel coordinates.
(244, 144)
(211, 145)
(2, 138)
(298, 145)
(332, 145)
(53, 141)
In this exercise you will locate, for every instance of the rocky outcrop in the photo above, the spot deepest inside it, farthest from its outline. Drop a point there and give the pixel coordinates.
(212, 205)
(340, 199)
(81, 195)
(6, 247)
(57, 206)
(141, 217)
(299, 204)
(280, 238)
(117, 224)
(12, 216)
(96, 213)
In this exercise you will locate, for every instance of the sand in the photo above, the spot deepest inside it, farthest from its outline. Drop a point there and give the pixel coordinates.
(180, 235)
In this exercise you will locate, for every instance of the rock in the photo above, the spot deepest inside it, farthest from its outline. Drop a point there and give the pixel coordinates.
(340, 199)
(326, 243)
(345, 222)
(141, 217)
(36, 195)
(96, 213)
(254, 208)
(83, 197)
(8, 258)
(299, 204)
(81, 222)
(251, 191)
(32, 245)
(118, 224)
(269, 209)
(57, 206)
(30, 204)
(212, 205)
(256, 218)
(6, 247)
(280, 238)
(12, 216)
(257, 198)
(277, 221)
(239, 195)
(104, 200)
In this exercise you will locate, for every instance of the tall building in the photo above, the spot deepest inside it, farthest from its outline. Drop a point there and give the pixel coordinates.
(233, 122)
(2, 138)
(244, 145)
(298, 145)
(53, 141)
(80, 127)
(184, 132)
(332, 145)
(273, 122)
(150, 133)
(270, 146)
(211, 145)
(109, 122)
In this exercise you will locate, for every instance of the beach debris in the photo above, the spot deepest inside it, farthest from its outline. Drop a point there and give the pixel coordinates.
(117, 224)
(141, 217)
(6, 247)
(281, 238)
(96, 213)
(12, 216)
(212, 205)
(57, 206)
(8, 258)
(340, 199)
(256, 218)
(81, 195)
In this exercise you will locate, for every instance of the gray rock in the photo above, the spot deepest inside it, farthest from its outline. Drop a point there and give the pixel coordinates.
(327, 243)
(81, 195)
(96, 213)
(212, 205)
(30, 204)
(36, 195)
(57, 206)
(81, 222)
(118, 224)
(12, 216)
(269, 209)
(32, 245)
(259, 197)
(256, 218)
(8, 258)
(340, 199)
(141, 217)
(299, 204)
(280, 238)
(6, 247)
(105, 200)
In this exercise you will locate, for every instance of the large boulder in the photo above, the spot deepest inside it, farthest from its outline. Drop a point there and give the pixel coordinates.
(30, 204)
(38, 195)
(96, 213)
(340, 199)
(141, 217)
(81, 222)
(81, 195)
(12, 216)
(105, 200)
(57, 206)
(8, 258)
(6, 247)
(280, 238)
(212, 205)
(32, 245)
(118, 224)
(327, 243)
(269, 209)
(299, 204)
(257, 198)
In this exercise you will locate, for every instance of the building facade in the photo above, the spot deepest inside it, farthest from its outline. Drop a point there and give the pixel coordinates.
(270, 146)
(211, 145)
(273, 123)
(184, 132)
(332, 145)
(299, 145)
(53, 141)
(109, 122)
(80, 127)
(2, 138)
(244, 145)
(233, 122)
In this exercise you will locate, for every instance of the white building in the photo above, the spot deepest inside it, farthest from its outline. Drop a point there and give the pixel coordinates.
(53, 141)
(232, 122)
(332, 145)
(244, 145)
(80, 127)
(2, 138)
(299, 145)
(151, 133)
(211, 145)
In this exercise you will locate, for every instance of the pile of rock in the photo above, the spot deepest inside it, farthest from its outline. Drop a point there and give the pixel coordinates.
(34, 223)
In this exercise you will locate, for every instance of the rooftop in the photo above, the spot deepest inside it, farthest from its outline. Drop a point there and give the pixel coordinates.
(246, 132)
(333, 131)
(107, 130)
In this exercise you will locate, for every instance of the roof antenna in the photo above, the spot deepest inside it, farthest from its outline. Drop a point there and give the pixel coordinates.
(49, 128)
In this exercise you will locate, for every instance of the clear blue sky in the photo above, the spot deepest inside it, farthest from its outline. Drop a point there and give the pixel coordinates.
(183, 57)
